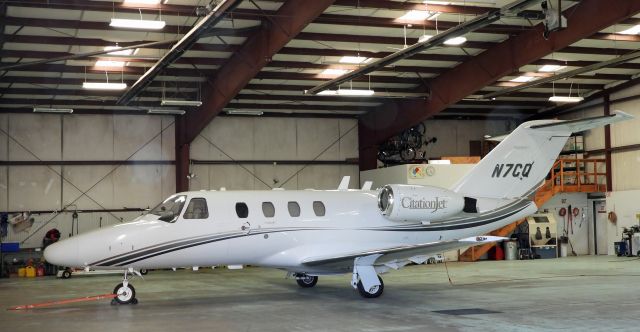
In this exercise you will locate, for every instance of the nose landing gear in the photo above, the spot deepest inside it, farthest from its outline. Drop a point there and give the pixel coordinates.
(124, 292)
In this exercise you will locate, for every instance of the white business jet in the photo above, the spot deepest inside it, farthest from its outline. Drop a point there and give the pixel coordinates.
(310, 233)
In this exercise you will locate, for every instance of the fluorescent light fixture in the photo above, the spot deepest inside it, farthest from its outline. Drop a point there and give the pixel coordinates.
(245, 112)
(551, 68)
(634, 30)
(566, 99)
(109, 63)
(522, 79)
(115, 49)
(418, 15)
(455, 41)
(354, 59)
(104, 86)
(165, 111)
(327, 93)
(354, 92)
(137, 24)
(434, 16)
(334, 71)
(143, 2)
(176, 102)
(52, 110)
(441, 3)
(424, 38)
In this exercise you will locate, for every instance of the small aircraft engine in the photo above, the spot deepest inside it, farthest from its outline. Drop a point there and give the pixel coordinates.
(399, 202)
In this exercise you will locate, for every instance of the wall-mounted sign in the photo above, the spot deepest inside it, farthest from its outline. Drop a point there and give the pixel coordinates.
(417, 172)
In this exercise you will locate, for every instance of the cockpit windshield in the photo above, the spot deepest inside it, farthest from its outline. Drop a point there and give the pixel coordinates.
(172, 205)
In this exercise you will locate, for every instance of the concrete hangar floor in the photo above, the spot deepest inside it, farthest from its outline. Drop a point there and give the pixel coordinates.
(569, 294)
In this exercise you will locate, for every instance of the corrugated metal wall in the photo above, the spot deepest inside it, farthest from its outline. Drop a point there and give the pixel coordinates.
(231, 139)
(84, 138)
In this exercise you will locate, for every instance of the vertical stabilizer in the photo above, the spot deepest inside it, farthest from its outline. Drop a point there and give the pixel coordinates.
(522, 160)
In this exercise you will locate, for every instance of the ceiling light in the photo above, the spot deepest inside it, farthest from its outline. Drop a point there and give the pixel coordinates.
(165, 111)
(137, 24)
(245, 112)
(104, 86)
(551, 68)
(634, 30)
(143, 2)
(442, 3)
(455, 41)
(354, 92)
(418, 15)
(334, 71)
(424, 38)
(176, 102)
(434, 15)
(522, 79)
(52, 110)
(354, 59)
(327, 93)
(566, 99)
(109, 63)
(126, 52)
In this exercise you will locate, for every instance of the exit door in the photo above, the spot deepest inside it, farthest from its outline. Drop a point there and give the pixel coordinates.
(600, 227)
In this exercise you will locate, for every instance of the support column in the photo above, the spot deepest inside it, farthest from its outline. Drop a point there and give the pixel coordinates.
(182, 155)
(367, 155)
(607, 143)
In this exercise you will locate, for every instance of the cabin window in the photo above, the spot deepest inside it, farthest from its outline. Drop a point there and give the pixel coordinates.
(268, 209)
(318, 208)
(294, 209)
(197, 209)
(242, 210)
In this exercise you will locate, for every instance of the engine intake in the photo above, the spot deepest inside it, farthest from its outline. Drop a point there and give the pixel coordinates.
(400, 202)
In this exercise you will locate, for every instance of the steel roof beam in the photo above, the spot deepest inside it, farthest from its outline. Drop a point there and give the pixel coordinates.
(565, 75)
(437, 40)
(178, 49)
(584, 19)
(249, 60)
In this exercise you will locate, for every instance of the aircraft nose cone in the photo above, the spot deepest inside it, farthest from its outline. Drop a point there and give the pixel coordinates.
(63, 253)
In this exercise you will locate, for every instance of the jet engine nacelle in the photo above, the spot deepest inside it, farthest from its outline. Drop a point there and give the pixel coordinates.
(400, 202)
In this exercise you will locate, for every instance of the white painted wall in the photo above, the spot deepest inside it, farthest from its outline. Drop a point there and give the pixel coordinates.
(582, 225)
(625, 205)
(272, 139)
(454, 135)
(51, 137)
(444, 176)
(626, 182)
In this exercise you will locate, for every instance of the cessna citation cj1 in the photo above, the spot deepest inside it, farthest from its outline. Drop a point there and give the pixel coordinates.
(311, 233)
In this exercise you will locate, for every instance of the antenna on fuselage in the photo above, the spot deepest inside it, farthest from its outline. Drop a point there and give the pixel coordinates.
(344, 184)
(367, 185)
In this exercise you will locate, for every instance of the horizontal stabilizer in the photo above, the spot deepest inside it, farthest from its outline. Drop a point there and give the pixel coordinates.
(575, 126)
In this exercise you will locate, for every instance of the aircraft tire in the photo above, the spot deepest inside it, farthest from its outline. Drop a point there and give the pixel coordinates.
(66, 274)
(144, 272)
(307, 281)
(125, 295)
(368, 295)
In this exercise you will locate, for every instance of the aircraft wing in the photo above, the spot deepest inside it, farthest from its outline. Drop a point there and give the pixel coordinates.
(401, 252)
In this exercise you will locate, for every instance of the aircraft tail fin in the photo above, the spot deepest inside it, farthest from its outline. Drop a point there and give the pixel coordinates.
(522, 160)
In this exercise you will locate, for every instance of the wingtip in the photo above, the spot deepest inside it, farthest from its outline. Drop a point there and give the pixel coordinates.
(623, 115)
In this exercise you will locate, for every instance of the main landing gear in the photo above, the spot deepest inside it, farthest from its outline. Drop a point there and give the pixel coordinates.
(306, 281)
(365, 278)
(124, 292)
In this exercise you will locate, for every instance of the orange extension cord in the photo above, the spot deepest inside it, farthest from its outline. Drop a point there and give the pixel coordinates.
(60, 302)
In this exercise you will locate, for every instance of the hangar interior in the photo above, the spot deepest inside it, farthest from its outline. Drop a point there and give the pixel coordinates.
(100, 122)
